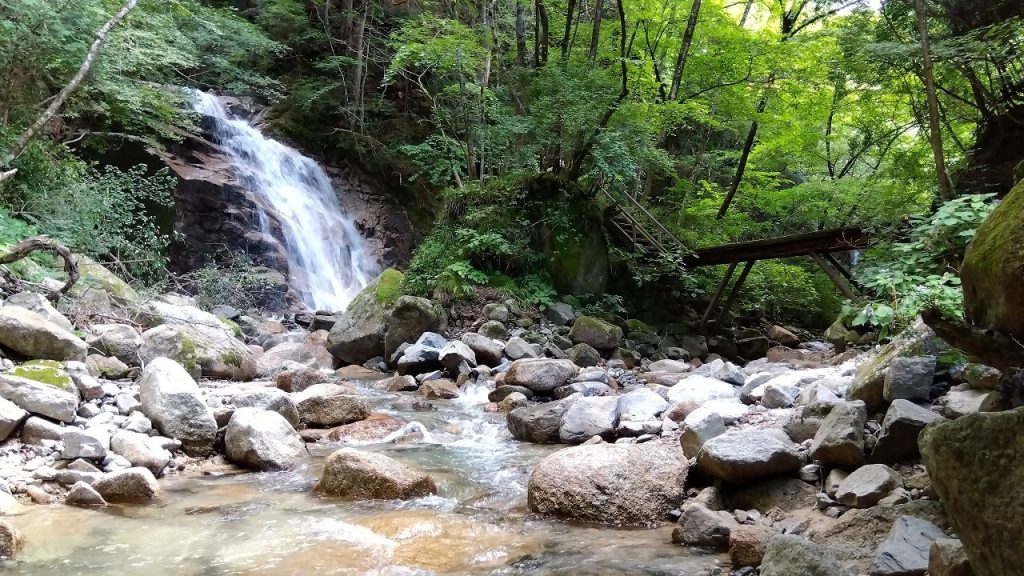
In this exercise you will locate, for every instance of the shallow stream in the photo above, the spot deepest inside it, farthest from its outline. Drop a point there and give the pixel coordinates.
(269, 524)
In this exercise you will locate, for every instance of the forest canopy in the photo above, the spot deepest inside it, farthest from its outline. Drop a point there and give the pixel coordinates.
(722, 120)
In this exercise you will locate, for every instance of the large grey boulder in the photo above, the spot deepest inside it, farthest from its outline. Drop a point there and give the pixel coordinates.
(560, 313)
(641, 405)
(699, 426)
(11, 417)
(374, 325)
(33, 336)
(869, 383)
(262, 440)
(118, 340)
(40, 305)
(57, 399)
(901, 427)
(694, 391)
(172, 309)
(905, 551)
(140, 450)
(171, 399)
(788, 555)
(596, 332)
(327, 405)
(312, 355)
(211, 351)
(867, 485)
(487, 351)
(273, 399)
(356, 475)
(618, 484)
(130, 486)
(589, 417)
(518, 349)
(11, 540)
(909, 378)
(976, 465)
(840, 439)
(700, 526)
(455, 353)
(540, 424)
(744, 456)
(540, 375)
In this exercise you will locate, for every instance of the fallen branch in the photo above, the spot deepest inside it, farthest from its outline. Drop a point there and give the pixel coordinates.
(990, 347)
(22, 250)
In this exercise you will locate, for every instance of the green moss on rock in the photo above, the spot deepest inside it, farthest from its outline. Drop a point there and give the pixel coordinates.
(993, 269)
(389, 287)
(45, 371)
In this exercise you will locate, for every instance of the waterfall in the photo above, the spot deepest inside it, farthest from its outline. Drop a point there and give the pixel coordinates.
(328, 259)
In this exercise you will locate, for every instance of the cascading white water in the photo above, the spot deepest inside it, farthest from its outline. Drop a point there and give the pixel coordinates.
(328, 259)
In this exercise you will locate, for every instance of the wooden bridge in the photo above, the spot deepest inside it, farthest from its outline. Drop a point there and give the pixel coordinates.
(630, 223)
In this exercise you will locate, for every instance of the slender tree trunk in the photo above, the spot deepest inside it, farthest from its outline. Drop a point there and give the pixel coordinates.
(746, 13)
(540, 39)
(357, 72)
(595, 34)
(520, 34)
(569, 10)
(684, 50)
(62, 96)
(935, 137)
(744, 156)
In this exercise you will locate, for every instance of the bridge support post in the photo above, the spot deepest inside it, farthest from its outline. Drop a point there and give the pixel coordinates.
(716, 297)
(735, 290)
(836, 277)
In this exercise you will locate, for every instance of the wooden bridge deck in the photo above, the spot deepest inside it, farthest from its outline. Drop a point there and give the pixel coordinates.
(823, 242)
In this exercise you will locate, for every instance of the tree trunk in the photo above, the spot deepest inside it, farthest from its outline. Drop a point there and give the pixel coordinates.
(595, 34)
(520, 34)
(568, 28)
(746, 13)
(357, 50)
(62, 96)
(935, 136)
(540, 37)
(684, 50)
(744, 156)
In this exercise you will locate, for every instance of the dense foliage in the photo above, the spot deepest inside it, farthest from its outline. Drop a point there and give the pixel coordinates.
(520, 124)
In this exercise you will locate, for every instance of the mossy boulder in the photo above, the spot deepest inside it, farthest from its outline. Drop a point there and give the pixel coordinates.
(868, 384)
(993, 269)
(202, 350)
(374, 324)
(596, 332)
(46, 371)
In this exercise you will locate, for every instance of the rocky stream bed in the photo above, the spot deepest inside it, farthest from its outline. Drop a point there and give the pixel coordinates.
(184, 442)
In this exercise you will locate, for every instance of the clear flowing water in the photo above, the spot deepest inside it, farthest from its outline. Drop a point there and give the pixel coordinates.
(269, 524)
(328, 259)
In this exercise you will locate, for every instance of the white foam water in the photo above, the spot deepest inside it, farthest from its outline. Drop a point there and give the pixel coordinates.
(327, 257)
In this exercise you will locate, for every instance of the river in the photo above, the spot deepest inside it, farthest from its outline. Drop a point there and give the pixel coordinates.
(269, 524)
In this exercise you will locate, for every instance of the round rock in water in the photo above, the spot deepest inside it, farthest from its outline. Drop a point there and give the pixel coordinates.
(359, 475)
(619, 484)
(262, 440)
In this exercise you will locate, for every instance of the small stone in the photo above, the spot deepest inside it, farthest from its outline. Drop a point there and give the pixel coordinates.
(948, 558)
(867, 485)
(700, 526)
(747, 544)
(84, 496)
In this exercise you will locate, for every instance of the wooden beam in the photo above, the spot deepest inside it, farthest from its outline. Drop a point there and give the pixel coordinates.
(735, 290)
(843, 270)
(825, 241)
(715, 298)
(835, 277)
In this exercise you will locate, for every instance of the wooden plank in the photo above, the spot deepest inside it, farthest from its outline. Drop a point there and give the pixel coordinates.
(784, 247)
(836, 277)
(716, 297)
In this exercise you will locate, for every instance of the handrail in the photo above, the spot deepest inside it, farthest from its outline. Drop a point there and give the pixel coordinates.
(649, 216)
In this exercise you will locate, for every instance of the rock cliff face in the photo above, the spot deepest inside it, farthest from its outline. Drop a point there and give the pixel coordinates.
(215, 213)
